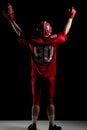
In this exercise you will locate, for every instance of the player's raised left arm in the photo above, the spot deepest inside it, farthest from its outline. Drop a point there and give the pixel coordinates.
(8, 13)
(71, 14)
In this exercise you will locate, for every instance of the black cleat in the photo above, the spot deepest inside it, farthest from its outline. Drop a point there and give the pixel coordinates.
(55, 127)
(32, 127)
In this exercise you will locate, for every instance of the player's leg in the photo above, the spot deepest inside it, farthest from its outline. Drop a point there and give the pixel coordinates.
(35, 114)
(51, 107)
(51, 113)
(36, 93)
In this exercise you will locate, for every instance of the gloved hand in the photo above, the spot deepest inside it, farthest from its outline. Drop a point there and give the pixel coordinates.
(9, 13)
(72, 12)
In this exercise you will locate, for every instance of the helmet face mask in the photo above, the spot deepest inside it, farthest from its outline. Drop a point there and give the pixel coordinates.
(44, 29)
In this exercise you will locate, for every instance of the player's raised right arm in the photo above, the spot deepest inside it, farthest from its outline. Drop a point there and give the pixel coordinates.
(8, 13)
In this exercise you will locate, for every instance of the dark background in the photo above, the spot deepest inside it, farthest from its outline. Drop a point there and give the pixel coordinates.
(15, 86)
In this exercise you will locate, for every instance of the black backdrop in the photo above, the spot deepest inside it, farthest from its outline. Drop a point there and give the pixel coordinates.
(15, 86)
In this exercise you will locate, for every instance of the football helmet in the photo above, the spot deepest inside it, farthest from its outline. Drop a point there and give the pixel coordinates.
(44, 29)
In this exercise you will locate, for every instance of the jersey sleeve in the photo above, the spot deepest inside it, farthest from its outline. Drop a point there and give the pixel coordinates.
(61, 37)
(22, 40)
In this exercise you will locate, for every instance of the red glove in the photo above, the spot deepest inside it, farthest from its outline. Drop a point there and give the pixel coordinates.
(72, 13)
(10, 16)
(9, 13)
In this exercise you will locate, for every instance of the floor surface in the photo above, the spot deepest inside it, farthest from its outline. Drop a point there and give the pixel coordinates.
(43, 125)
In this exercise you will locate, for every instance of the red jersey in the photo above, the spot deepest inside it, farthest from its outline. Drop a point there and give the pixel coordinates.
(43, 53)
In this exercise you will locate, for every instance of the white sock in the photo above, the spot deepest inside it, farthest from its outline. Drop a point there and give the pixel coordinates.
(51, 119)
(34, 119)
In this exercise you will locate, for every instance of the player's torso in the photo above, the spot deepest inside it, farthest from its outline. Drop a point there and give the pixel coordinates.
(43, 56)
(42, 52)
